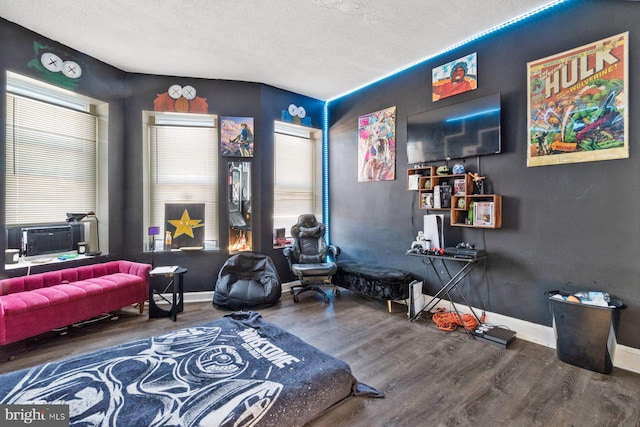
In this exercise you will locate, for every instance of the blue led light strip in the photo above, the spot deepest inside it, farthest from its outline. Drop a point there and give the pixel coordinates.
(455, 46)
(325, 170)
(468, 116)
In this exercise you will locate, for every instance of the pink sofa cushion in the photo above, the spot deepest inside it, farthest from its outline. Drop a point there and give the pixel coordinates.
(70, 275)
(65, 293)
(31, 305)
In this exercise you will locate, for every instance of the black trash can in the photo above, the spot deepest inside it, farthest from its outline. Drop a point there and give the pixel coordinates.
(585, 334)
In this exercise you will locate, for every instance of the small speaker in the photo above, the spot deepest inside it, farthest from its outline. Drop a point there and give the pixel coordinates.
(11, 256)
(82, 248)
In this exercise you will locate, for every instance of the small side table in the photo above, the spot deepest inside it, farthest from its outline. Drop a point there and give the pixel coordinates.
(450, 281)
(175, 280)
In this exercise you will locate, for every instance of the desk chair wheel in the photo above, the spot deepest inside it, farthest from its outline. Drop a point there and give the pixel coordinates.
(314, 288)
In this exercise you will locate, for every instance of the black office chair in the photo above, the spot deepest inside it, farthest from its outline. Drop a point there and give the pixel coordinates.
(307, 257)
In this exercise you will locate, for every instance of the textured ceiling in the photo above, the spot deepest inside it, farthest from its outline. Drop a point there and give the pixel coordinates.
(318, 48)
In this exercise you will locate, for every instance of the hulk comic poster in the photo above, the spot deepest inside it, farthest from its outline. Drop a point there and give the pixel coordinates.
(578, 106)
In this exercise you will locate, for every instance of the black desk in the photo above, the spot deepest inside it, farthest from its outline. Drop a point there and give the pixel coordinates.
(176, 283)
(449, 282)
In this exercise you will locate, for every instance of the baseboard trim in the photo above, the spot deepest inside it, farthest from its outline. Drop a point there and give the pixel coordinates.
(187, 297)
(624, 357)
(199, 296)
(205, 296)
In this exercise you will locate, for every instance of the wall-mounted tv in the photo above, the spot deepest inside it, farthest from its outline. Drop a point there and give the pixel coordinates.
(466, 129)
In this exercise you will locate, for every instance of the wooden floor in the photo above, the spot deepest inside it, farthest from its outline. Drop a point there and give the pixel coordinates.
(429, 377)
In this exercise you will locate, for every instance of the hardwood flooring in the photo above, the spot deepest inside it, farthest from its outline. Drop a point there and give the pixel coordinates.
(429, 377)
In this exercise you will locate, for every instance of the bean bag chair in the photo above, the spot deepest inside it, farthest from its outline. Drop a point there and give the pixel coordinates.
(247, 280)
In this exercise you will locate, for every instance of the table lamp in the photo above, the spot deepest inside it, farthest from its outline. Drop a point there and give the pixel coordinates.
(153, 232)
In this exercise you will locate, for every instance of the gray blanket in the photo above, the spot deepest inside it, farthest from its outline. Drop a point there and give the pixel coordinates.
(236, 371)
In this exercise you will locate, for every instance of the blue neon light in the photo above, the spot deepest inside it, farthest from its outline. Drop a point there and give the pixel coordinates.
(325, 171)
(468, 116)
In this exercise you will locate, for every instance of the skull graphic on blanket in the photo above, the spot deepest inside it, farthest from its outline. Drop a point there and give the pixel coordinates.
(180, 389)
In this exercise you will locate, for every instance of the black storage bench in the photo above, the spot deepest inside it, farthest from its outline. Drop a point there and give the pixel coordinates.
(382, 283)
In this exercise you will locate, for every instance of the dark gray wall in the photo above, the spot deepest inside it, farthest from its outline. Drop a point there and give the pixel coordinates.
(570, 227)
(98, 81)
(226, 98)
(128, 95)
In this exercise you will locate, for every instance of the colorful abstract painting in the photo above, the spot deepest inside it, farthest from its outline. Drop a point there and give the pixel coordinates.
(377, 146)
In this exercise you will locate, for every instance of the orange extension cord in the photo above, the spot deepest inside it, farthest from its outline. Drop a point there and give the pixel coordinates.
(449, 321)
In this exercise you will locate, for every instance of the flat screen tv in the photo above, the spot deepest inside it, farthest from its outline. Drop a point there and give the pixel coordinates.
(466, 129)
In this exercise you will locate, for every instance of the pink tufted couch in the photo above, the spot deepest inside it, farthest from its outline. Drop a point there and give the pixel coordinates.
(31, 305)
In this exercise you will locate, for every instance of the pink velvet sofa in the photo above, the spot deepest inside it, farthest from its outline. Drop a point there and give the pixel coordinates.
(31, 305)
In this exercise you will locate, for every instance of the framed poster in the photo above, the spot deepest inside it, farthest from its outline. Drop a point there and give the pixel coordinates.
(577, 104)
(377, 146)
(483, 213)
(454, 77)
(185, 223)
(236, 136)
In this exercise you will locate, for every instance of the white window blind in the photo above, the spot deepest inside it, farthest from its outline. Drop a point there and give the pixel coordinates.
(183, 168)
(295, 180)
(50, 161)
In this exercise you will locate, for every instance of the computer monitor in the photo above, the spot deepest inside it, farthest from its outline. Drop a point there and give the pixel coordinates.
(46, 240)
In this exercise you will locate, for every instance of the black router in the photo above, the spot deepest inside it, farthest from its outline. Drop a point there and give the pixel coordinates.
(497, 336)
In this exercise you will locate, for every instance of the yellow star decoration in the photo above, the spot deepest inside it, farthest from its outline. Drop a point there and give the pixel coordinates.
(185, 225)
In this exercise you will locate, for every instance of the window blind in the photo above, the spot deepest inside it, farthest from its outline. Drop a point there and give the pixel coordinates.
(50, 161)
(294, 179)
(184, 169)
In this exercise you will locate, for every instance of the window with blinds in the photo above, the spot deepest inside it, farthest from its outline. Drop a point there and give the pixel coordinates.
(297, 175)
(51, 155)
(183, 168)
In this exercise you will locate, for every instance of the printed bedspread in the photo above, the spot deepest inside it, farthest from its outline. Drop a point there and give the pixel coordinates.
(236, 371)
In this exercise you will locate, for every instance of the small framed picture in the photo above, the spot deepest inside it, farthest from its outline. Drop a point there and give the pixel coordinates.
(459, 187)
(483, 213)
(413, 182)
(426, 201)
(445, 196)
(236, 136)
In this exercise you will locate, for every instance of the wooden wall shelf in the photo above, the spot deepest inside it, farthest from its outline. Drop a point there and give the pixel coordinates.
(452, 193)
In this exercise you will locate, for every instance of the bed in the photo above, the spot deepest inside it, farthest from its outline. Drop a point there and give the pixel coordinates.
(239, 370)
